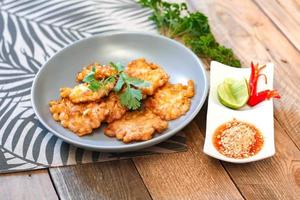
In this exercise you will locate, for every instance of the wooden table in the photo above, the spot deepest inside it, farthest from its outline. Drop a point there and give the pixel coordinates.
(257, 30)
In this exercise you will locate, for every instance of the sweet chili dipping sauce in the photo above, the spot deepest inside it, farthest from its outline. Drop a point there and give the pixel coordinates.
(237, 139)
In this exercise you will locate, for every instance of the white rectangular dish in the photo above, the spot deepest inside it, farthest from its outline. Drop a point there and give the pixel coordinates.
(261, 115)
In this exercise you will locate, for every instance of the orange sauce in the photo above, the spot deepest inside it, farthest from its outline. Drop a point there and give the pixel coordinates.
(253, 149)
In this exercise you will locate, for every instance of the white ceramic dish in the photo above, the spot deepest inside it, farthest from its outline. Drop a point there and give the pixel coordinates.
(260, 115)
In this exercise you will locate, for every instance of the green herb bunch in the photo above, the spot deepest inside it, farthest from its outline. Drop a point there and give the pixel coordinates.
(175, 21)
(128, 88)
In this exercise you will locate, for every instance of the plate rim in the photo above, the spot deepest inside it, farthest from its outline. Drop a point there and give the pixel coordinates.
(130, 146)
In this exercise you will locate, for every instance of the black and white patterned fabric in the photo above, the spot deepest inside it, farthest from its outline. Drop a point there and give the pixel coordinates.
(31, 31)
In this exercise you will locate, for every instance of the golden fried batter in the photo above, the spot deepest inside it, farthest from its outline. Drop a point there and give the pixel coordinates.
(172, 100)
(82, 109)
(136, 126)
(115, 108)
(79, 118)
(150, 72)
(102, 71)
(81, 93)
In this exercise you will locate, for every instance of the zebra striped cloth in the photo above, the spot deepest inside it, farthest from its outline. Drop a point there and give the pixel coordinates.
(30, 32)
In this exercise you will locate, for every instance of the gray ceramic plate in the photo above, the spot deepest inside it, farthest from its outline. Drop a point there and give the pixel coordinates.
(59, 71)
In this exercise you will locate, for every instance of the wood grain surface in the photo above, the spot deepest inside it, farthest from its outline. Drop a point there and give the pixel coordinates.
(27, 186)
(109, 180)
(188, 175)
(278, 177)
(285, 15)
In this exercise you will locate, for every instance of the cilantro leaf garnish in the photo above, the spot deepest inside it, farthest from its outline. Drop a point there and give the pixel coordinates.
(138, 82)
(90, 76)
(94, 84)
(130, 96)
(118, 66)
(119, 85)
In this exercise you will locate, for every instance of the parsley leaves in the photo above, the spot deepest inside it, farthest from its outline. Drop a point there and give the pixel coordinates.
(175, 21)
(131, 98)
(95, 85)
(131, 94)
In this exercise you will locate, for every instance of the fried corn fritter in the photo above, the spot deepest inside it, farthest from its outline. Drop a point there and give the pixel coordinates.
(79, 118)
(136, 126)
(172, 100)
(102, 71)
(81, 93)
(115, 109)
(87, 105)
(150, 72)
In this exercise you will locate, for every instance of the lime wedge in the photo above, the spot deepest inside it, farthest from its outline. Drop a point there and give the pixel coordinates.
(233, 93)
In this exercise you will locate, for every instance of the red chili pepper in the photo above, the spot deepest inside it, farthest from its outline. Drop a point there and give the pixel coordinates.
(255, 98)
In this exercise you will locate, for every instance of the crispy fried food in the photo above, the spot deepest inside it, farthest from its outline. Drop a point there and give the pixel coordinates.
(81, 93)
(150, 72)
(136, 126)
(85, 106)
(172, 100)
(79, 118)
(102, 71)
(115, 108)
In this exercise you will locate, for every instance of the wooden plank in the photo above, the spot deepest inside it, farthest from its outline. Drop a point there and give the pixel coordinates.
(277, 177)
(187, 175)
(27, 185)
(286, 15)
(242, 26)
(109, 180)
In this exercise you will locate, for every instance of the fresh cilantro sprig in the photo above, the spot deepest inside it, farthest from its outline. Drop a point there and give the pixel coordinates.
(131, 95)
(174, 20)
(127, 87)
(94, 84)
